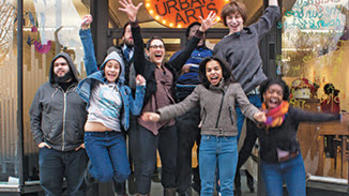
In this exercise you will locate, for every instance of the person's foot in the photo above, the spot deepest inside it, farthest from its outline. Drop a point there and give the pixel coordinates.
(196, 187)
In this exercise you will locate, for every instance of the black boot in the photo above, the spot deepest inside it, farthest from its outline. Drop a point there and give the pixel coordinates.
(170, 192)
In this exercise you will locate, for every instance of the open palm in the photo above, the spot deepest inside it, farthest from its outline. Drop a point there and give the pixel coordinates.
(130, 9)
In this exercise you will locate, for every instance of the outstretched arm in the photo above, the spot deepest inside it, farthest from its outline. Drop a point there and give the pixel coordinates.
(90, 61)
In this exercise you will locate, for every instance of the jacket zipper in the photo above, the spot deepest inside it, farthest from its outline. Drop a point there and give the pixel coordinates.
(220, 110)
(64, 113)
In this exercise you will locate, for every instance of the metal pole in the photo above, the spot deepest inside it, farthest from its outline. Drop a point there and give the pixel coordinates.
(20, 153)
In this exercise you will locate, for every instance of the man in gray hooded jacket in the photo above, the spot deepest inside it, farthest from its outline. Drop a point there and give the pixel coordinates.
(57, 117)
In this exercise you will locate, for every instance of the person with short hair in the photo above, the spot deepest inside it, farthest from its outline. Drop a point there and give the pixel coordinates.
(57, 118)
(240, 49)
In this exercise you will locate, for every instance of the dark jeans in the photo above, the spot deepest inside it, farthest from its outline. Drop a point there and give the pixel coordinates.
(54, 165)
(188, 132)
(107, 153)
(166, 142)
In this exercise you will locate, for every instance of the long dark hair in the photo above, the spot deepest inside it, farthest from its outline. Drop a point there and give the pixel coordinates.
(225, 71)
(266, 84)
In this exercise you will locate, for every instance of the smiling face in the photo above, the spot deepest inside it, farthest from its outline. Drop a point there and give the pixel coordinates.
(273, 96)
(60, 67)
(235, 22)
(156, 51)
(112, 70)
(214, 72)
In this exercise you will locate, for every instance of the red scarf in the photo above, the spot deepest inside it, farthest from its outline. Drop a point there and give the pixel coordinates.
(276, 116)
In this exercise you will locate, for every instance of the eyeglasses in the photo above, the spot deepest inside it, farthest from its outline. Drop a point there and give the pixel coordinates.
(157, 46)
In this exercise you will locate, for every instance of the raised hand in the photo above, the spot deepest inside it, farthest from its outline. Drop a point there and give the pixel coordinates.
(260, 117)
(140, 81)
(208, 22)
(130, 9)
(86, 21)
(150, 116)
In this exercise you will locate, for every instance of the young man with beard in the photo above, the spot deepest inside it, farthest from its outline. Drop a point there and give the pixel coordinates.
(188, 131)
(160, 77)
(57, 117)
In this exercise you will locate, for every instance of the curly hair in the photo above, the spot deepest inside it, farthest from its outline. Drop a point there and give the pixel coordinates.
(225, 70)
(266, 84)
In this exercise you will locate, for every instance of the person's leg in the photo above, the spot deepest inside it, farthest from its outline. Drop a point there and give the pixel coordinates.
(294, 176)
(97, 150)
(51, 171)
(146, 158)
(133, 149)
(196, 174)
(227, 162)
(168, 154)
(75, 163)
(272, 177)
(118, 156)
(187, 128)
(207, 164)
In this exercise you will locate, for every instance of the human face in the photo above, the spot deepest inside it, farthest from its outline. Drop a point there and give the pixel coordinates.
(214, 72)
(127, 37)
(235, 22)
(192, 32)
(156, 52)
(273, 96)
(60, 67)
(112, 70)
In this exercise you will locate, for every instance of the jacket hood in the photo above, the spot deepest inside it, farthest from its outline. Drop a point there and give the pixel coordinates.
(70, 63)
(114, 56)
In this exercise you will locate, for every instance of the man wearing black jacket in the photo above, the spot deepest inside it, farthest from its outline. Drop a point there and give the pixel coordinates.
(57, 117)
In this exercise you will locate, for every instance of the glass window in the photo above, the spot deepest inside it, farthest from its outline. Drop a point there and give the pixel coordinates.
(315, 52)
(50, 27)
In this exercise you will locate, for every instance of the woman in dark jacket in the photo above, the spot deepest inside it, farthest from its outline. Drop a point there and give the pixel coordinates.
(281, 159)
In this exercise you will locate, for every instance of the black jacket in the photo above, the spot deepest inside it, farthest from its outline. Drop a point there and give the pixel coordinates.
(283, 137)
(146, 68)
(58, 117)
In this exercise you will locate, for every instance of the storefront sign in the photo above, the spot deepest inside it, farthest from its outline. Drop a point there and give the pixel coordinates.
(181, 13)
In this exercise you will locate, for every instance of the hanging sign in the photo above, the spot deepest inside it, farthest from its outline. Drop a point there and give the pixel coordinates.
(181, 13)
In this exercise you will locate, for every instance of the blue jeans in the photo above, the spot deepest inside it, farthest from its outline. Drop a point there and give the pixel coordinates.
(166, 142)
(221, 152)
(54, 165)
(107, 153)
(291, 172)
(256, 101)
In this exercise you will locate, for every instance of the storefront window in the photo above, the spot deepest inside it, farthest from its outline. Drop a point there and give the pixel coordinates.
(315, 53)
(8, 91)
(50, 27)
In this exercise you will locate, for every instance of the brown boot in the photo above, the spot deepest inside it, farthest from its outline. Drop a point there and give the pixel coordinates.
(170, 192)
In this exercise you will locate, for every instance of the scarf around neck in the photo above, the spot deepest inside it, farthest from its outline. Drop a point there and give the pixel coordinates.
(276, 116)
